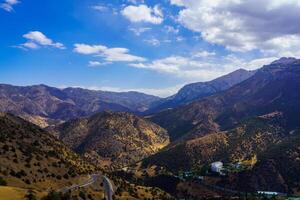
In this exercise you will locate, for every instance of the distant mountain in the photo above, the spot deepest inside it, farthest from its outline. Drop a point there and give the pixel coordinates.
(114, 139)
(30, 157)
(44, 105)
(196, 91)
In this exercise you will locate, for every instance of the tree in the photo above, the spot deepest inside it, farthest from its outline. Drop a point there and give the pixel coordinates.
(2, 181)
(30, 195)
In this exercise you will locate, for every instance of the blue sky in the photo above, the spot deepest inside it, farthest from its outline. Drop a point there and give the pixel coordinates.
(148, 46)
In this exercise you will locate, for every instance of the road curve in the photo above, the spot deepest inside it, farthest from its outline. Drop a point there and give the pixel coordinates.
(91, 180)
(109, 191)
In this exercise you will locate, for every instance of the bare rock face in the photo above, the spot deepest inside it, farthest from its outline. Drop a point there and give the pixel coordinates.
(119, 139)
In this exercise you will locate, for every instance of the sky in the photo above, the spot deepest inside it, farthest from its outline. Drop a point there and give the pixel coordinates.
(151, 46)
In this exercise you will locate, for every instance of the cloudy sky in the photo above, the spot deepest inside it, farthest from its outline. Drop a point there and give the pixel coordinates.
(153, 46)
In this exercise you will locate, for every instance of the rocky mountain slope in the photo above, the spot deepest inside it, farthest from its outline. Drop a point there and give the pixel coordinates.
(31, 157)
(245, 121)
(277, 169)
(45, 105)
(196, 91)
(241, 143)
(271, 89)
(114, 139)
(34, 162)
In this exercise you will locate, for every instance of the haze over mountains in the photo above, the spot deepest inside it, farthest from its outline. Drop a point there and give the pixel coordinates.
(46, 105)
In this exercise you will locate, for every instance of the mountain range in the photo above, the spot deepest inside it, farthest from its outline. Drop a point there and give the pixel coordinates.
(46, 105)
(243, 117)
(196, 91)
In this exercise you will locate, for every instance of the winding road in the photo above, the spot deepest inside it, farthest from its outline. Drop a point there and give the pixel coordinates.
(108, 187)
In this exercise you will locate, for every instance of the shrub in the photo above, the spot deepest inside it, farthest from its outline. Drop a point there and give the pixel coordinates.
(30, 195)
(2, 181)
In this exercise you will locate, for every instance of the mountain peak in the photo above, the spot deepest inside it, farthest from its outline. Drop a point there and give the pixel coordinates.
(285, 60)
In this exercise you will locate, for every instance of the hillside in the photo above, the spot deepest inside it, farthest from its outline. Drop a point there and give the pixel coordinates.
(44, 105)
(235, 124)
(196, 91)
(277, 170)
(248, 139)
(30, 157)
(116, 139)
(33, 160)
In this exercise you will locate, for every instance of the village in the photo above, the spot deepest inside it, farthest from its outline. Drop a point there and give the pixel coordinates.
(207, 176)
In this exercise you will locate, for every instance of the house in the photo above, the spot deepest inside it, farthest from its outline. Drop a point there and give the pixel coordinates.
(217, 167)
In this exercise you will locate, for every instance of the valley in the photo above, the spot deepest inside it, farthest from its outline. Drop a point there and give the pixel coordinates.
(62, 143)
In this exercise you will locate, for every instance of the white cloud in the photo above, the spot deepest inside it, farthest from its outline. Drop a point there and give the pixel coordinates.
(30, 45)
(153, 41)
(100, 8)
(157, 11)
(135, 1)
(108, 54)
(180, 39)
(36, 39)
(171, 29)
(179, 66)
(8, 5)
(201, 68)
(177, 2)
(139, 31)
(97, 63)
(204, 54)
(244, 25)
(143, 13)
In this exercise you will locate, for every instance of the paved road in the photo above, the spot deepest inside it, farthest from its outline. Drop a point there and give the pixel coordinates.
(93, 178)
(108, 188)
(109, 191)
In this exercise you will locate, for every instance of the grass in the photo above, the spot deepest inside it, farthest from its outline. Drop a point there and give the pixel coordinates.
(12, 193)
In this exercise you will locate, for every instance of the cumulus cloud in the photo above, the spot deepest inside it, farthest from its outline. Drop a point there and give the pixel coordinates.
(36, 39)
(203, 67)
(8, 5)
(143, 13)
(242, 25)
(108, 54)
(181, 67)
